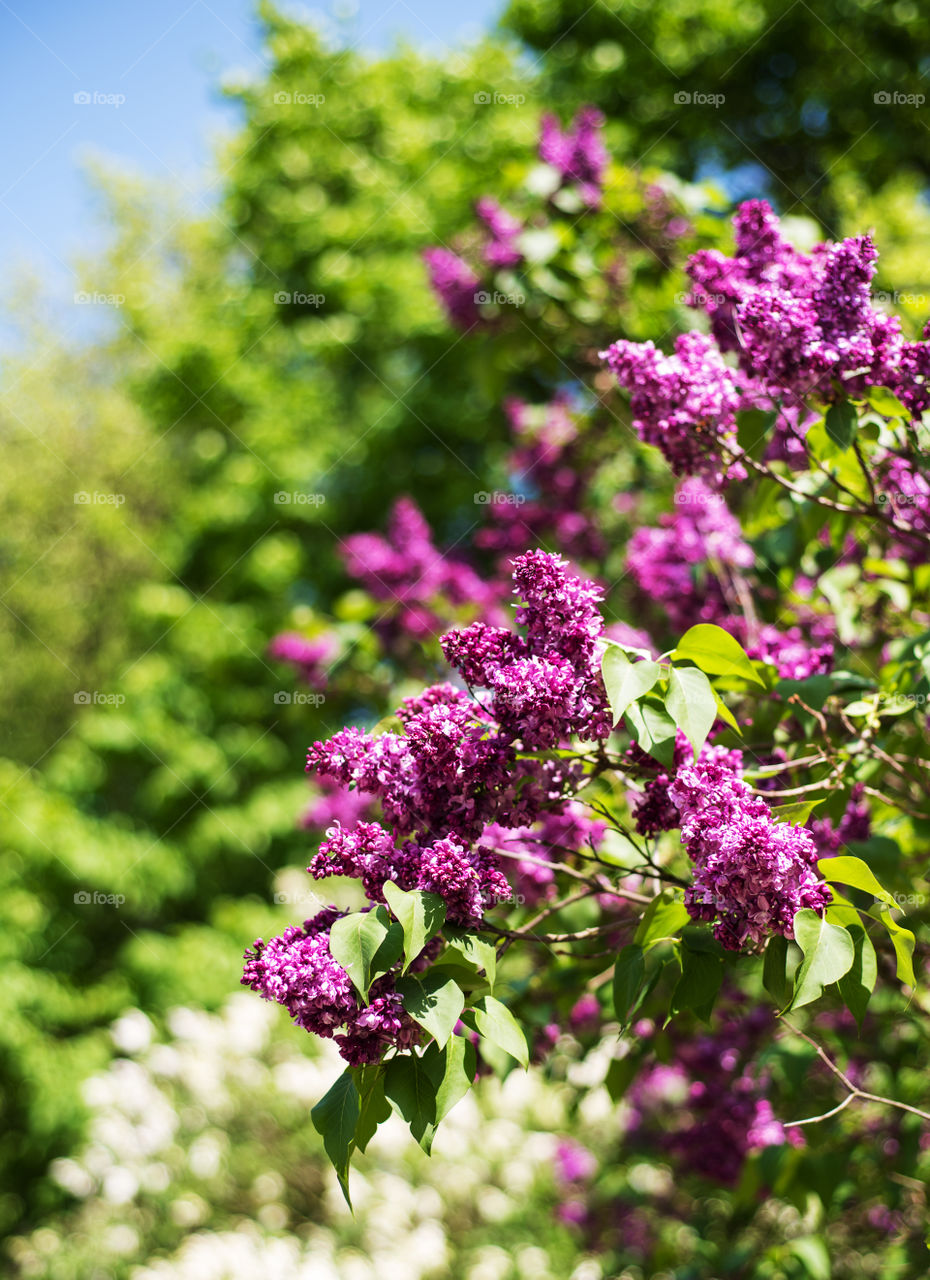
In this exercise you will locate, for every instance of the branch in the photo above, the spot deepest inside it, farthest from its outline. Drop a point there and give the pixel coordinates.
(853, 1091)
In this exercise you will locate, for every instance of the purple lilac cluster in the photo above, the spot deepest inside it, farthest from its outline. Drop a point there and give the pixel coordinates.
(800, 323)
(795, 652)
(684, 403)
(298, 971)
(718, 1105)
(654, 811)
(308, 658)
(469, 880)
(407, 571)
(665, 561)
(751, 873)
(546, 687)
(578, 152)
(906, 490)
(504, 230)
(549, 481)
(455, 284)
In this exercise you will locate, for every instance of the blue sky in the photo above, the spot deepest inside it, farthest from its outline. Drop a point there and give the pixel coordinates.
(151, 69)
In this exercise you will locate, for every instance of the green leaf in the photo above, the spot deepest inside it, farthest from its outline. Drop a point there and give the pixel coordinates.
(495, 1021)
(335, 1118)
(476, 950)
(775, 970)
(829, 952)
(753, 430)
(654, 730)
(841, 422)
(812, 1253)
(662, 919)
(365, 944)
(885, 402)
(691, 704)
(461, 1064)
(433, 1000)
(716, 652)
(629, 981)
(701, 976)
(904, 943)
(857, 985)
(796, 811)
(726, 715)
(626, 681)
(421, 916)
(845, 869)
(374, 1108)
(410, 1084)
(620, 1075)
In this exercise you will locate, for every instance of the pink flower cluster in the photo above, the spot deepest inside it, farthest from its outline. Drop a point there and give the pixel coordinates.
(578, 152)
(751, 873)
(298, 971)
(410, 574)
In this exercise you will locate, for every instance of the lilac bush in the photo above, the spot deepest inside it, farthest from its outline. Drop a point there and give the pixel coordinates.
(682, 767)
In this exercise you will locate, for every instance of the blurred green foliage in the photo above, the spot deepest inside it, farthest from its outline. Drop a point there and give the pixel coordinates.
(808, 94)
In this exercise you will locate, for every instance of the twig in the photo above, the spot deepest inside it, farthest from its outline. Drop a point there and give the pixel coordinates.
(853, 1091)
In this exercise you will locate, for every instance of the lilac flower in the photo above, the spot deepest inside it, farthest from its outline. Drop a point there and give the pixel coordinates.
(578, 152)
(663, 560)
(684, 403)
(455, 284)
(501, 249)
(751, 873)
(307, 657)
(407, 571)
(298, 971)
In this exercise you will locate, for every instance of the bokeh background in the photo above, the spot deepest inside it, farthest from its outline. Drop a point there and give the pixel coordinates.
(213, 296)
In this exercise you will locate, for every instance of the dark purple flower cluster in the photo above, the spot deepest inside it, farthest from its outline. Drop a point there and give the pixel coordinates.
(298, 971)
(455, 284)
(654, 810)
(676, 563)
(544, 688)
(710, 1107)
(906, 490)
(468, 879)
(578, 152)
(407, 571)
(549, 482)
(307, 657)
(801, 322)
(684, 403)
(503, 232)
(751, 873)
